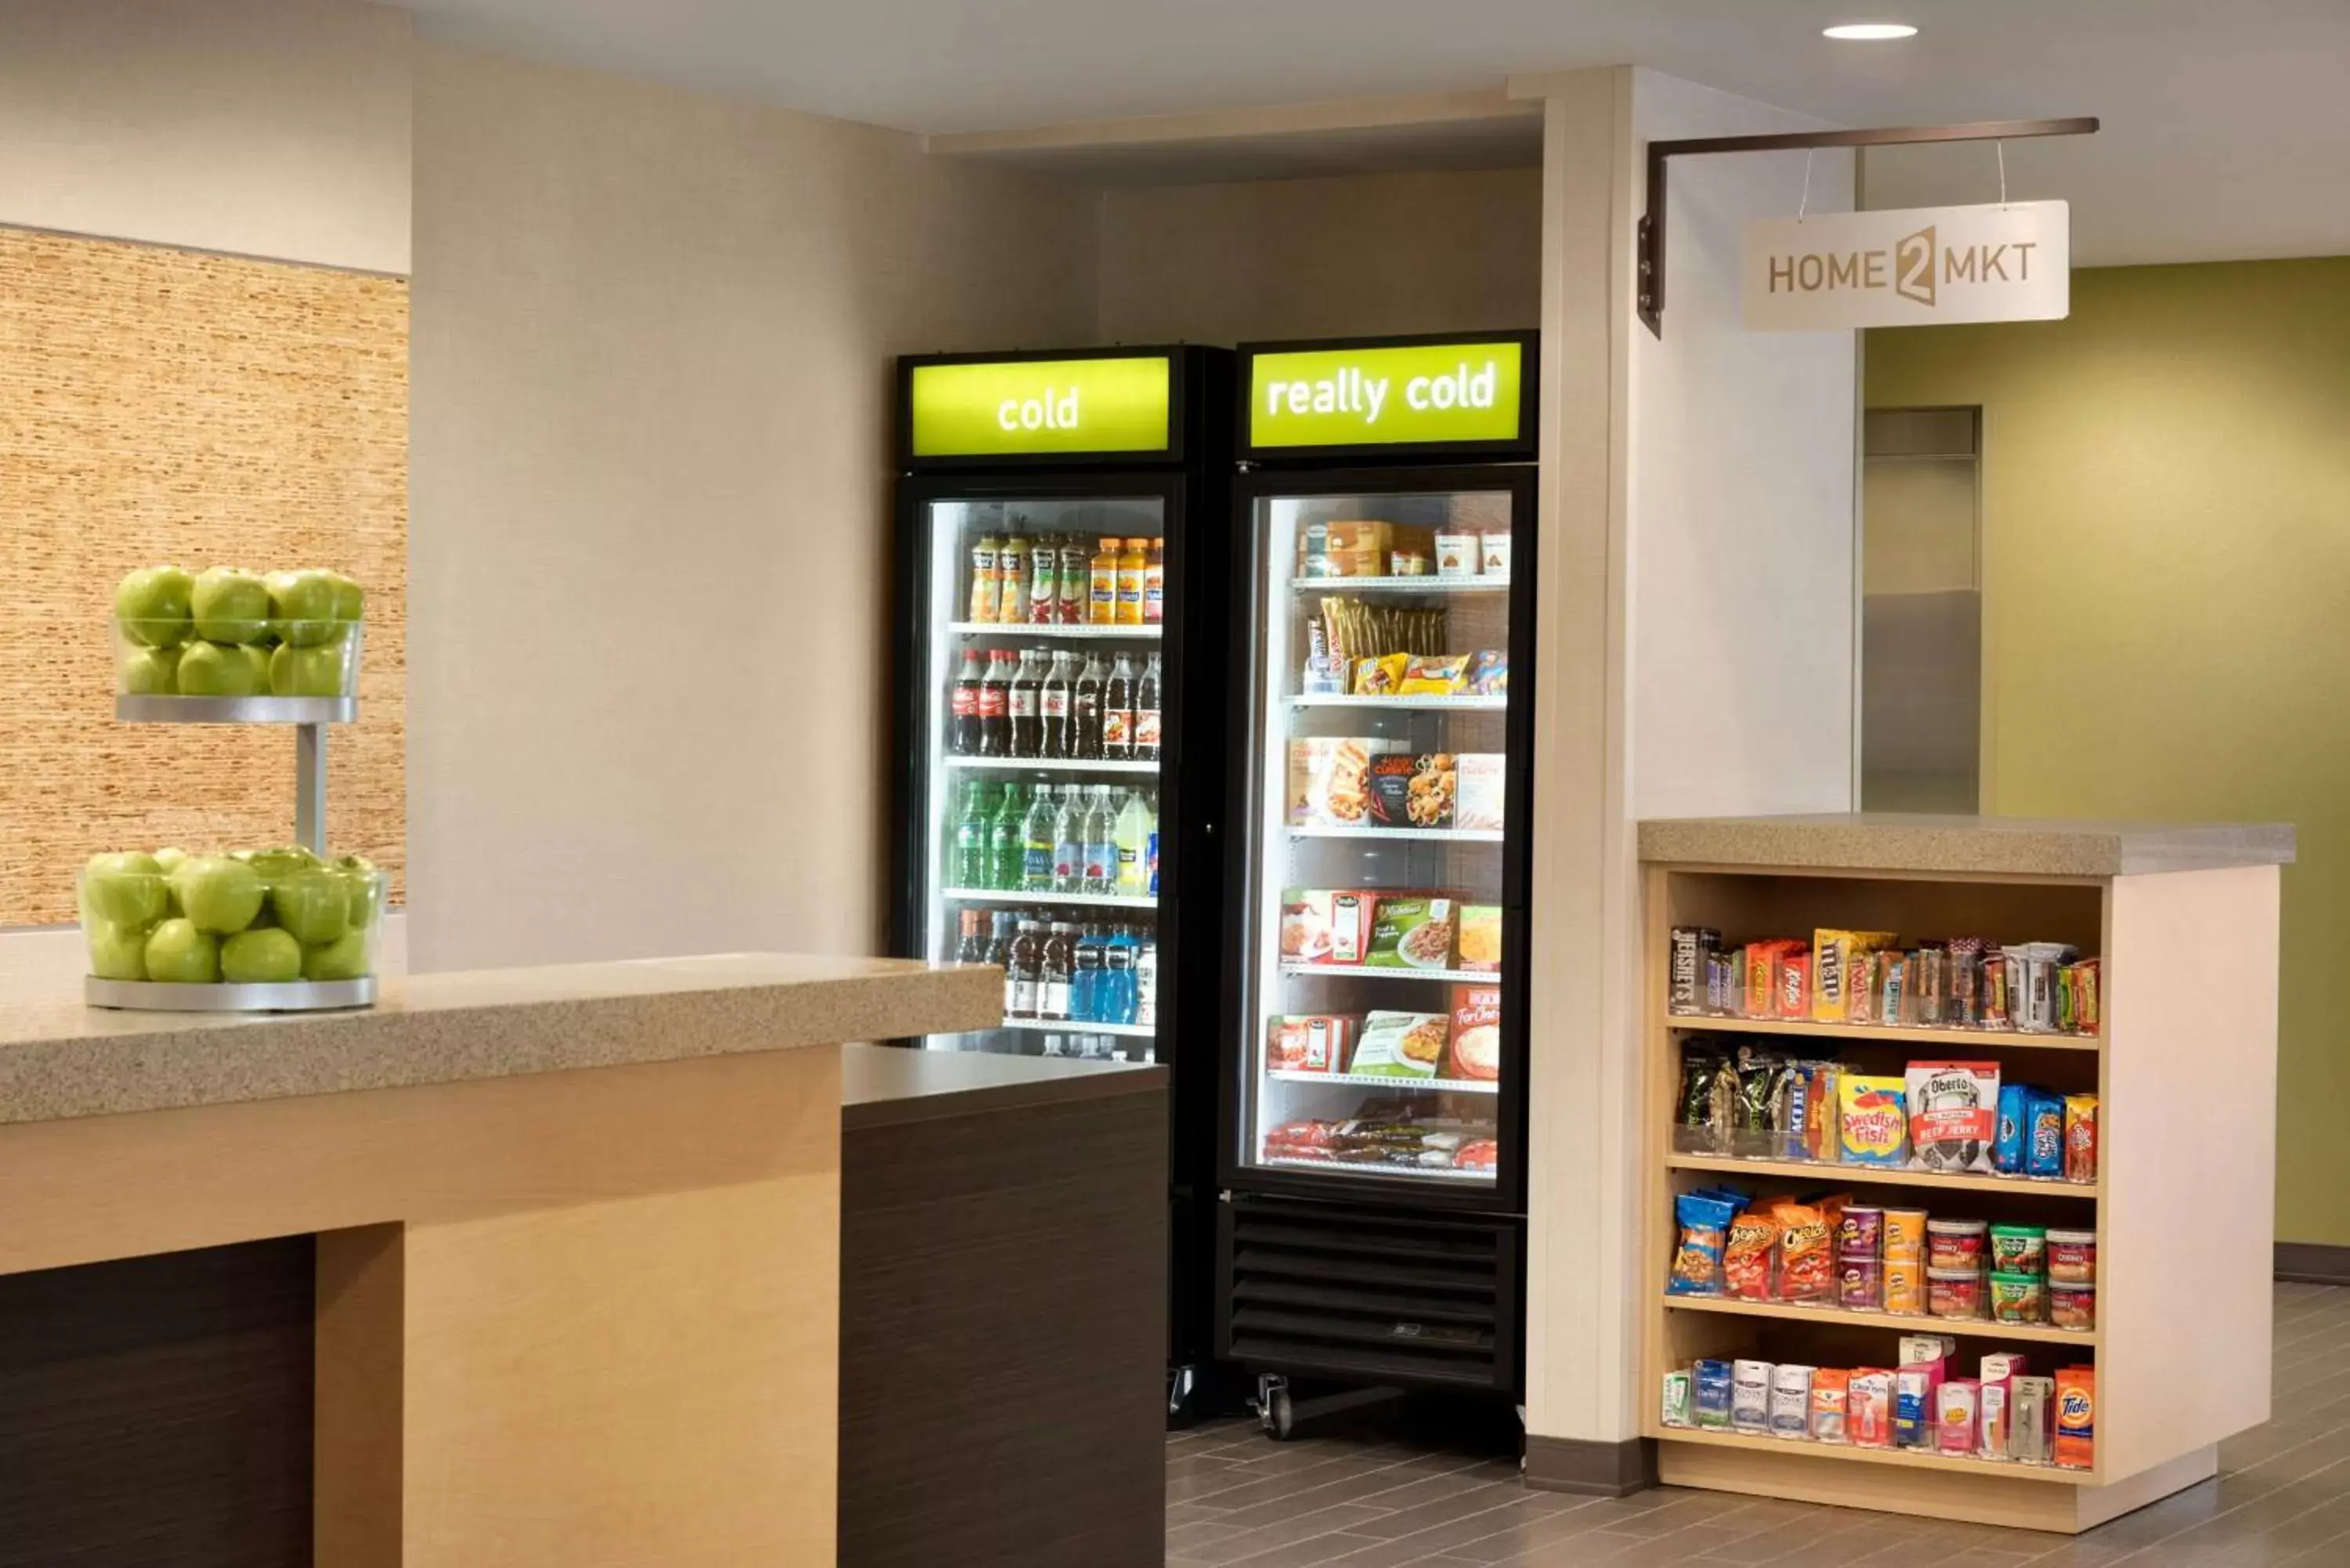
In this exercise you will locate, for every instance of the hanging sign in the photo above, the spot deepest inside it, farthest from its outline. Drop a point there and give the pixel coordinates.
(1417, 394)
(1920, 266)
(1008, 407)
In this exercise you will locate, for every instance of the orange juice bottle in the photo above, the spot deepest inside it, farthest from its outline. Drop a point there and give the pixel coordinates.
(1101, 598)
(1154, 584)
(1133, 568)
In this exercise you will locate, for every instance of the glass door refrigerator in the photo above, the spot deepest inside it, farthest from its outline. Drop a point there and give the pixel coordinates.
(1060, 679)
(1373, 1163)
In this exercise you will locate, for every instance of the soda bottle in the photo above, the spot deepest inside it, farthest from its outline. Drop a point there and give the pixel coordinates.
(995, 706)
(1154, 584)
(1114, 994)
(1133, 568)
(1044, 582)
(1053, 704)
(1117, 711)
(1074, 580)
(1085, 977)
(970, 834)
(1026, 703)
(1021, 976)
(1146, 983)
(1036, 845)
(1101, 842)
(963, 730)
(986, 587)
(1007, 843)
(1146, 711)
(1012, 574)
(1086, 710)
(1135, 824)
(1101, 598)
(1069, 842)
(1060, 961)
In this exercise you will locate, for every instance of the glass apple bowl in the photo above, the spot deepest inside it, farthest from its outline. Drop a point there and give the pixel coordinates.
(282, 659)
(264, 916)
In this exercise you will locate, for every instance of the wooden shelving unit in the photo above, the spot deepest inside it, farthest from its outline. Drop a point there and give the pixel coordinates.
(2184, 1072)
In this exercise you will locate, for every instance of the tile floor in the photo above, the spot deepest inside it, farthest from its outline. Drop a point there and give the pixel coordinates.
(1236, 1500)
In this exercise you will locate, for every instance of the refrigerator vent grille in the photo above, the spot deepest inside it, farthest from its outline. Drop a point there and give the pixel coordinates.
(1323, 1288)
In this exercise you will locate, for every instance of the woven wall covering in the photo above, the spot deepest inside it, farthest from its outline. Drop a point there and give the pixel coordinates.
(161, 405)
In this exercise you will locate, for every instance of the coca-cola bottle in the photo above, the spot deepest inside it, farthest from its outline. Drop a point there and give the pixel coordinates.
(1027, 705)
(963, 736)
(1052, 702)
(1086, 710)
(1117, 711)
(1146, 711)
(995, 706)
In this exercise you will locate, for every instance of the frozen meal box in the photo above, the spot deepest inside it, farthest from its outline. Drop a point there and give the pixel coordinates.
(1480, 936)
(1413, 791)
(1401, 1045)
(1477, 1032)
(1478, 801)
(1330, 779)
(1305, 922)
(1408, 931)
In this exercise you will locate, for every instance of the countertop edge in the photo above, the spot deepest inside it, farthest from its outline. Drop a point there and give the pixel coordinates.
(1988, 847)
(868, 1114)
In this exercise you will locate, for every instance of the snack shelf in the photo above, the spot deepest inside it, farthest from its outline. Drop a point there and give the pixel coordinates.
(1369, 972)
(1080, 900)
(1437, 704)
(1392, 1173)
(236, 710)
(1406, 835)
(1081, 1026)
(1012, 628)
(1052, 764)
(1425, 584)
(1451, 1085)
(1918, 1458)
(1905, 1323)
(1830, 1170)
(1922, 1034)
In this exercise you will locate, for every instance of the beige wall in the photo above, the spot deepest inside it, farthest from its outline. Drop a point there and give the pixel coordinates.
(2165, 514)
(269, 127)
(1321, 258)
(652, 531)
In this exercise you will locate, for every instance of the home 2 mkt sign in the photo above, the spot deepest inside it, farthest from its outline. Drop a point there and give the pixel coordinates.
(1012, 407)
(1923, 267)
(1415, 394)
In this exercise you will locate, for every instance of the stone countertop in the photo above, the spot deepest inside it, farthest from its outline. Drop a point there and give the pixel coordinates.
(60, 1059)
(882, 1086)
(1995, 845)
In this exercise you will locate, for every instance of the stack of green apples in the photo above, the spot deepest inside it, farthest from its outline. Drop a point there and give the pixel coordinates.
(253, 916)
(229, 632)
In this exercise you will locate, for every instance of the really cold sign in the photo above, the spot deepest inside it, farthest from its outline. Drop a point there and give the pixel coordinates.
(1920, 266)
(1404, 395)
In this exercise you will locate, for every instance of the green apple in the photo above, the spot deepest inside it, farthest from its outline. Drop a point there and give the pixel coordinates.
(315, 904)
(127, 889)
(218, 669)
(283, 860)
(345, 958)
(117, 952)
(153, 604)
(170, 859)
(307, 672)
(266, 957)
(229, 605)
(366, 885)
(179, 953)
(350, 599)
(256, 661)
(303, 605)
(219, 894)
(151, 671)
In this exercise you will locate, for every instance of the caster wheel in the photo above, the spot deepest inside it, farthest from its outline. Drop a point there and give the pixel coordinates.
(1279, 1420)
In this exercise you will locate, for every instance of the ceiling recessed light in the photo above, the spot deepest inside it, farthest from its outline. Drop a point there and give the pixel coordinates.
(1870, 32)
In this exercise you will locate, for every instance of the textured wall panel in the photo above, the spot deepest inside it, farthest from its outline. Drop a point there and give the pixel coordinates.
(163, 405)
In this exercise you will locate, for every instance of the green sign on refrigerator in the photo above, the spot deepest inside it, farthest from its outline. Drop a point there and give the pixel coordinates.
(1020, 408)
(1419, 394)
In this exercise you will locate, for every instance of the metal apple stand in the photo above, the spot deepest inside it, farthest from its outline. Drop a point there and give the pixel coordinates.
(309, 716)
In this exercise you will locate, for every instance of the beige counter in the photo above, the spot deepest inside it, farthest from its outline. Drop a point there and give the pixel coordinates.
(1985, 846)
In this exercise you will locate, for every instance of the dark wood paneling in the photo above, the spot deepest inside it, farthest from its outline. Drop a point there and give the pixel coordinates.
(1003, 1299)
(155, 1413)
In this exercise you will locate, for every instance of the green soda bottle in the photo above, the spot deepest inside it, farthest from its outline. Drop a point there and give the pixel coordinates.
(973, 824)
(1007, 843)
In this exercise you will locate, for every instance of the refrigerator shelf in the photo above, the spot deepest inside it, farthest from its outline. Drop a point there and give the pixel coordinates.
(1090, 900)
(1405, 835)
(1148, 632)
(1052, 764)
(1447, 1086)
(1377, 1172)
(1366, 972)
(1401, 585)
(1082, 1026)
(1437, 704)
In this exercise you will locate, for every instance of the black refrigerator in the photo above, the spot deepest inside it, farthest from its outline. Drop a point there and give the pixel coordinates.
(1058, 683)
(1372, 1129)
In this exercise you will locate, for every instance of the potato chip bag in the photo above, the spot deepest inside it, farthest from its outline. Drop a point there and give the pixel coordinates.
(1806, 1254)
(1749, 1262)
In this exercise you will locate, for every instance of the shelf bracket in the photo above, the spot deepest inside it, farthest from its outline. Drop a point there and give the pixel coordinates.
(1649, 280)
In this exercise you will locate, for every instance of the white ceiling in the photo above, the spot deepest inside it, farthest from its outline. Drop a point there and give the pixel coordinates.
(2227, 122)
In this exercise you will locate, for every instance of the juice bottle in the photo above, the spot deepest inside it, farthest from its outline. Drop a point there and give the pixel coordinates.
(1044, 582)
(1012, 574)
(1101, 600)
(1134, 830)
(1060, 961)
(986, 587)
(1022, 976)
(1133, 568)
(1154, 584)
(1075, 565)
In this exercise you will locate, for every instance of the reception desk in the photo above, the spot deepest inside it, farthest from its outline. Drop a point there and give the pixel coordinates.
(555, 1253)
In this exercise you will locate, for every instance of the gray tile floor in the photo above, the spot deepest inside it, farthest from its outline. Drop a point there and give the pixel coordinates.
(1234, 1498)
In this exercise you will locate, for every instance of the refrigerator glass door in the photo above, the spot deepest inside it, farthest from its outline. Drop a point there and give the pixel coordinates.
(1373, 965)
(1042, 769)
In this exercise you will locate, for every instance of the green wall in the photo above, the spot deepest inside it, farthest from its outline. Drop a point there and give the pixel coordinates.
(2167, 600)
